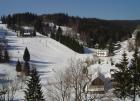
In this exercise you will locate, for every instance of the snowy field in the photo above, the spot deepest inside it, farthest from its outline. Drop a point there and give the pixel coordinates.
(49, 56)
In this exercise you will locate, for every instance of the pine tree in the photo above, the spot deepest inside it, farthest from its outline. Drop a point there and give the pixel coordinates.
(111, 49)
(52, 35)
(18, 66)
(99, 61)
(26, 56)
(134, 69)
(138, 39)
(34, 33)
(6, 56)
(122, 78)
(59, 34)
(33, 91)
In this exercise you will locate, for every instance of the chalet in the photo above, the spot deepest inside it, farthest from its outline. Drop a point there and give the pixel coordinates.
(97, 82)
(102, 53)
(96, 86)
(27, 31)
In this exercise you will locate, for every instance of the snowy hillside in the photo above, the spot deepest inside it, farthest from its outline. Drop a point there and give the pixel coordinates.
(49, 56)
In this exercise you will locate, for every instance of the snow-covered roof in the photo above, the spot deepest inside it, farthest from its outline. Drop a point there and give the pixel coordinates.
(27, 33)
(102, 50)
(97, 80)
(27, 28)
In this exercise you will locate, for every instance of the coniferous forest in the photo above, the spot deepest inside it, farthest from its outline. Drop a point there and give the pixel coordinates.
(91, 30)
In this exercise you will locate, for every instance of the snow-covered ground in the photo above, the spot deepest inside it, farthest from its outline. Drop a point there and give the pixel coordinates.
(49, 56)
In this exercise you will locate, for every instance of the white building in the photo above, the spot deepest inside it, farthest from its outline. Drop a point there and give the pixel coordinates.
(102, 53)
(27, 31)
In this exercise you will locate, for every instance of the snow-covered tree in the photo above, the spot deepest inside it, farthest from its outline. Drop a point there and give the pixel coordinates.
(70, 83)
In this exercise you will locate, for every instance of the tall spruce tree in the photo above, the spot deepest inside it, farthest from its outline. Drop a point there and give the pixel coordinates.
(135, 74)
(33, 91)
(59, 34)
(111, 48)
(122, 78)
(26, 56)
(6, 56)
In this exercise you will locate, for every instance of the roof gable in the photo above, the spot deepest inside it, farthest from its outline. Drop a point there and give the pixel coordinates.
(97, 81)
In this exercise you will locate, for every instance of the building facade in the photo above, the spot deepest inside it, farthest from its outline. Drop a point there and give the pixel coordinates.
(102, 53)
(27, 31)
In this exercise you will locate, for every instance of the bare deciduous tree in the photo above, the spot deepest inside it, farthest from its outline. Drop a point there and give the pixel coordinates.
(70, 83)
(60, 90)
(78, 78)
(8, 88)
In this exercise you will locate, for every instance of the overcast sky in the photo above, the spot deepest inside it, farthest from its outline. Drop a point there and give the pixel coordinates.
(104, 9)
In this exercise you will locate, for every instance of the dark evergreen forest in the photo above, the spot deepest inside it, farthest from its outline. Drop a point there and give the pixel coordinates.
(91, 30)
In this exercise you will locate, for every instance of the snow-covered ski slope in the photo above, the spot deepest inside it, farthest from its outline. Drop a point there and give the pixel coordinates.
(46, 54)
(49, 56)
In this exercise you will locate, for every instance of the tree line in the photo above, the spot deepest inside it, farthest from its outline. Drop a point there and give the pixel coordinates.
(15, 22)
(91, 30)
(67, 40)
(94, 30)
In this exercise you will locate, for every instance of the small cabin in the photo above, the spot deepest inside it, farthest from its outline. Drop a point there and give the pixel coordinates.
(96, 86)
(102, 53)
(27, 31)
